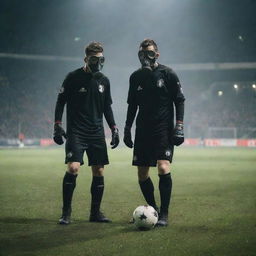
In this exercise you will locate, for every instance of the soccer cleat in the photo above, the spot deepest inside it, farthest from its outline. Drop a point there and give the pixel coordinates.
(162, 220)
(64, 220)
(99, 217)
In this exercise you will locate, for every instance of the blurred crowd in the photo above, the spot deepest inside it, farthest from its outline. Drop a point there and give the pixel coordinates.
(233, 109)
(29, 91)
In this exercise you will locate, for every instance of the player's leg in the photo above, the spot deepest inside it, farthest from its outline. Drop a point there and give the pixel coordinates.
(74, 159)
(165, 188)
(98, 157)
(142, 158)
(97, 190)
(146, 185)
(68, 186)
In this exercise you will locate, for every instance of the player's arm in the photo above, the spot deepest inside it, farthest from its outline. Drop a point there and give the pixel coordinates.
(131, 113)
(59, 132)
(109, 116)
(178, 99)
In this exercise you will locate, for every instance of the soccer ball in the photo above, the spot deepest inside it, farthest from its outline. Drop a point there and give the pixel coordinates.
(145, 217)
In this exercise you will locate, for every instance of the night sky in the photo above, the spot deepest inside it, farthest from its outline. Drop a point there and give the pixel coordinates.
(186, 31)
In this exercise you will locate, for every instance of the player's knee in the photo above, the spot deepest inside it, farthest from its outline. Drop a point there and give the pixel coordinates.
(142, 176)
(97, 170)
(143, 173)
(163, 167)
(73, 168)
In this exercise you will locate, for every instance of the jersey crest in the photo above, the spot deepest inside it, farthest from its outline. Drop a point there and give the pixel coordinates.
(101, 88)
(160, 83)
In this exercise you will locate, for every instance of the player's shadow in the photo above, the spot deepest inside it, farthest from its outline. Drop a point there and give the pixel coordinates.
(31, 235)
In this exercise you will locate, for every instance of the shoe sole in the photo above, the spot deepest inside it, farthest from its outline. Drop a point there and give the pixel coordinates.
(161, 225)
(63, 223)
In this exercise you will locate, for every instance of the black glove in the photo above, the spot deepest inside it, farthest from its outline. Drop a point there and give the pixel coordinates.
(115, 138)
(128, 137)
(178, 134)
(58, 134)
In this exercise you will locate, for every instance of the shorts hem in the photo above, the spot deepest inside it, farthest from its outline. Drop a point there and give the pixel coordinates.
(71, 161)
(149, 164)
(143, 164)
(98, 163)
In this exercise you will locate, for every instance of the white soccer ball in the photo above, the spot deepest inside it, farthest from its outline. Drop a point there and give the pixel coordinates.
(145, 217)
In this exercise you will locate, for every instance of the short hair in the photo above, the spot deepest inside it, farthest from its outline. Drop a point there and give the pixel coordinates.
(93, 48)
(147, 42)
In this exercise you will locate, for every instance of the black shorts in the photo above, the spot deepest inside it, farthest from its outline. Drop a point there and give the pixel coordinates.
(149, 148)
(96, 150)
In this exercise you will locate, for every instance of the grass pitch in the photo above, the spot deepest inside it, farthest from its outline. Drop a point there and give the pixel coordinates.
(213, 209)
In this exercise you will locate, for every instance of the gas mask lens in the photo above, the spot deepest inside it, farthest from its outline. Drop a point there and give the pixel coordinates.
(147, 54)
(95, 60)
(151, 54)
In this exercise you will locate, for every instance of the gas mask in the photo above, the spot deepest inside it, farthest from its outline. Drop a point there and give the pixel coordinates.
(147, 59)
(95, 63)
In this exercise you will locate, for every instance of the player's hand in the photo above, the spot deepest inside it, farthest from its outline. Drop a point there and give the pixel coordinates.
(178, 134)
(115, 138)
(128, 137)
(58, 134)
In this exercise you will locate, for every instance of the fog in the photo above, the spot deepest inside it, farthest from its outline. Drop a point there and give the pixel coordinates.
(186, 31)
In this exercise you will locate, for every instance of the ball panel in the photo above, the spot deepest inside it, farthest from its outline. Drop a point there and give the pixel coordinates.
(145, 217)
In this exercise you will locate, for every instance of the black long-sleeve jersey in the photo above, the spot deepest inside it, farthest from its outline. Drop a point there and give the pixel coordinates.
(87, 97)
(155, 93)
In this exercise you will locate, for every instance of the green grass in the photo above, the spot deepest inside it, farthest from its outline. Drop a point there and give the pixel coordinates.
(213, 206)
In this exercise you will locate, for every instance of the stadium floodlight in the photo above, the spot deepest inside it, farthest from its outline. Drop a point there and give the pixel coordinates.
(235, 86)
(220, 93)
(254, 86)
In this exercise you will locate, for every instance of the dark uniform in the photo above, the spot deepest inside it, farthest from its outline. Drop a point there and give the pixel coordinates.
(155, 93)
(87, 97)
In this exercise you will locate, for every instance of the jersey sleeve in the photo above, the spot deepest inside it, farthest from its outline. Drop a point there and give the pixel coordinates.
(132, 103)
(176, 89)
(62, 99)
(108, 98)
(131, 100)
(177, 95)
(108, 112)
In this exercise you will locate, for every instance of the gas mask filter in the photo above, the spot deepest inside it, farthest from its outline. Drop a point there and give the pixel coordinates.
(147, 58)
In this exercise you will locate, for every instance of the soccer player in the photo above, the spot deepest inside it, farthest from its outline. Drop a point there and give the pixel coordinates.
(155, 90)
(86, 92)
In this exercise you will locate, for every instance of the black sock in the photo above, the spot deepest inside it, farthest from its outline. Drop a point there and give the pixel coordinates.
(97, 189)
(68, 186)
(147, 189)
(165, 187)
